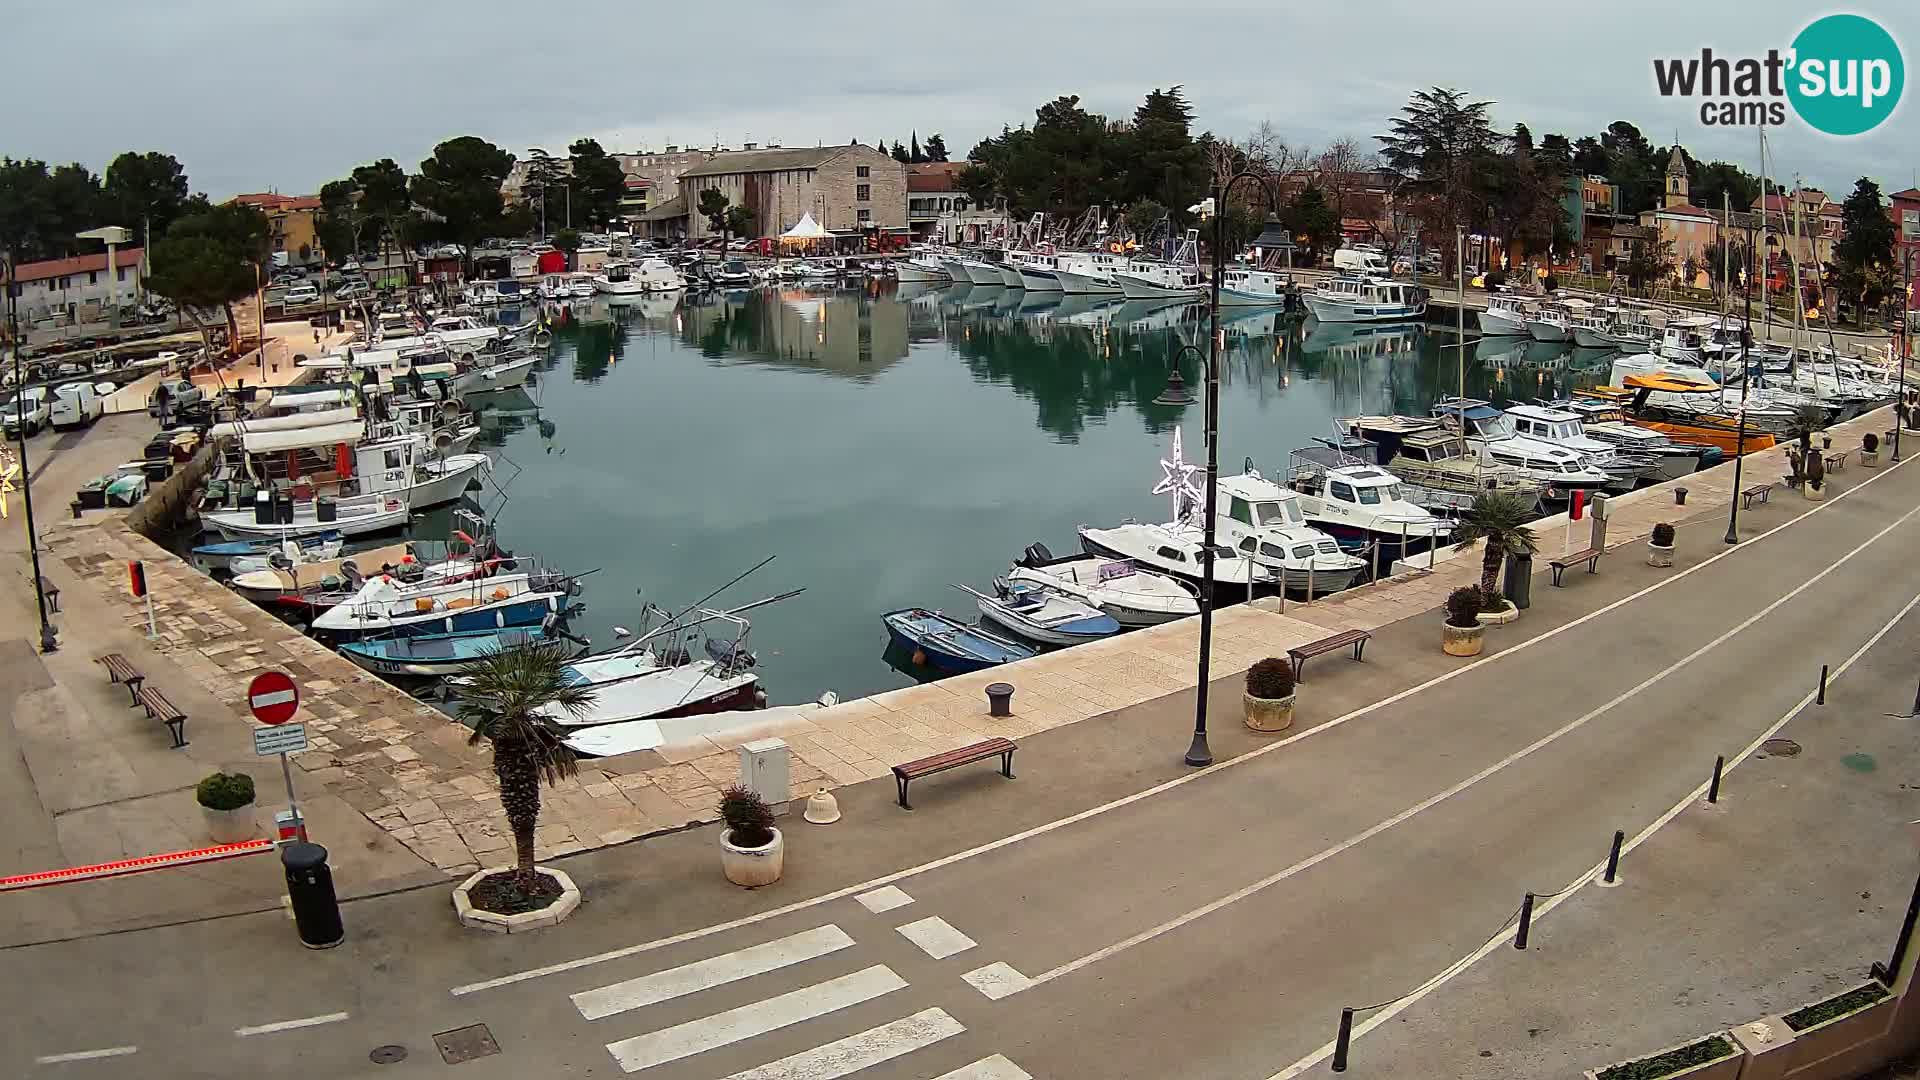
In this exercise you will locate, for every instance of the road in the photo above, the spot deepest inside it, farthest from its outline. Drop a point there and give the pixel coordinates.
(1211, 926)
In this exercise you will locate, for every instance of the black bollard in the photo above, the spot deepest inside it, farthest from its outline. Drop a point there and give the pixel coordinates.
(1613, 856)
(1916, 701)
(1526, 922)
(316, 912)
(1341, 1042)
(1713, 789)
(1821, 697)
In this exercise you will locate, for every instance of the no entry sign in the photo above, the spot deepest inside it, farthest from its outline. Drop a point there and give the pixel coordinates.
(273, 697)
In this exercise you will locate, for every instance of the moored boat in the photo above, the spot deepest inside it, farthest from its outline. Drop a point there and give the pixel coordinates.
(1133, 596)
(949, 645)
(1038, 613)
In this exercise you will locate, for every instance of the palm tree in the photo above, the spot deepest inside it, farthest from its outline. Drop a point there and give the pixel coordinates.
(506, 697)
(1499, 518)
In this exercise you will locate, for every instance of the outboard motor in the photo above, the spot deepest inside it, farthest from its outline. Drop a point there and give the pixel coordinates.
(351, 571)
(1036, 555)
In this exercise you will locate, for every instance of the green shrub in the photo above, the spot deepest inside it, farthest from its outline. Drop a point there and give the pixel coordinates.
(1822, 1011)
(225, 791)
(1663, 535)
(749, 819)
(1270, 678)
(1712, 1048)
(1464, 606)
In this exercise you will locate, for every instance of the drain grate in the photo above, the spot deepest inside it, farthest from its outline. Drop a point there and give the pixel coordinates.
(466, 1044)
(1780, 748)
(387, 1055)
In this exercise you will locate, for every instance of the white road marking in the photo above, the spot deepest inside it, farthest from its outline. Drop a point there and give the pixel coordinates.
(936, 937)
(997, 980)
(1573, 889)
(1185, 778)
(772, 1014)
(996, 1067)
(714, 971)
(86, 1055)
(885, 899)
(289, 1025)
(856, 1052)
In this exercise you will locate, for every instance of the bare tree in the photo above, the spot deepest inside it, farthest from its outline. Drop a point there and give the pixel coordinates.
(1341, 171)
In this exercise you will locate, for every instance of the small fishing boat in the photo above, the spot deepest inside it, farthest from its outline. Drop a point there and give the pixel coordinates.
(1506, 315)
(386, 607)
(319, 585)
(949, 645)
(630, 736)
(439, 654)
(1119, 587)
(218, 558)
(1038, 613)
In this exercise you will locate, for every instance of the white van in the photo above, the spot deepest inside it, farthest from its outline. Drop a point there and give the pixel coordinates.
(1359, 261)
(76, 405)
(28, 409)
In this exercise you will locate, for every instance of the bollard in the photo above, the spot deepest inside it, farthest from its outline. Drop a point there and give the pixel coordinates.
(1679, 496)
(1526, 921)
(1376, 557)
(1821, 697)
(1310, 561)
(1613, 857)
(999, 699)
(316, 912)
(1713, 789)
(1916, 701)
(1341, 1042)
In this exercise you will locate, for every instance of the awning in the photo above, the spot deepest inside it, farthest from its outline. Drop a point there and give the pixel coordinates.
(293, 422)
(805, 229)
(271, 442)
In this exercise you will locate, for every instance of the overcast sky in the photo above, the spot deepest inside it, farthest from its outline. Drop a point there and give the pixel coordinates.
(261, 95)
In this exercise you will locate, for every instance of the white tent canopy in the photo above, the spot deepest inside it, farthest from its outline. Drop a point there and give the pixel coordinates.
(806, 229)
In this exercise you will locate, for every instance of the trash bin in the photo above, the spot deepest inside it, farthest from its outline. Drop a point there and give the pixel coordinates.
(1519, 581)
(263, 507)
(316, 913)
(326, 509)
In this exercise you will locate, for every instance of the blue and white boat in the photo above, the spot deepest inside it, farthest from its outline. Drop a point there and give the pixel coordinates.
(385, 607)
(1366, 299)
(439, 654)
(949, 645)
(1039, 613)
(217, 558)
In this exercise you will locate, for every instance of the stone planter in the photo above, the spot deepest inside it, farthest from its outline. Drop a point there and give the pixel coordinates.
(1505, 615)
(1839, 1034)
(1814, 494)
(1462, 640)
(1268, 714)
(230, 826)
(551, 915)
(1869, 459)
(753, 867)
(1725, 1067)
(1659, 556)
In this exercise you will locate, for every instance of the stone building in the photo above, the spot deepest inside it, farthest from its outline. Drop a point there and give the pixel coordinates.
(853, 191)
(290, 225)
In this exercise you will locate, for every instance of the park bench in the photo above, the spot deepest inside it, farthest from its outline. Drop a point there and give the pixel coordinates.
(159, 708)
(1837, 462)
(953, 759)
(120, 671)
(1756, 493)
(1590, 556)
(1299, 654)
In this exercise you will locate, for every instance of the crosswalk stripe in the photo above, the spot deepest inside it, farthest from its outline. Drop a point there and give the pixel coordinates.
(772, 1014)
(714, 971)
(996, 1067)
(856, 1052)
(936, 937)
(883, 899)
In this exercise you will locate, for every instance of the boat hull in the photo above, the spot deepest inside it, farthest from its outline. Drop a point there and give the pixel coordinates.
(1034, 280)
(1011, 277)
(1337, 311)
(907, 271)
(1228, 592)
(1593, 339)
(1084, 284)
(414, 655)
(1137, 288)
(1494, 324)
(1541, 330)
(524, 610)
(1230, 297)
(1075, 632)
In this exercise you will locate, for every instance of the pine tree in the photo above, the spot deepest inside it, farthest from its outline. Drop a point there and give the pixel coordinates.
(913, 150)
(900, 153)
(1863, 258)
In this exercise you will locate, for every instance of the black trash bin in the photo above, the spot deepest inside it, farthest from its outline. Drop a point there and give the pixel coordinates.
(326, 509)
(1519, 581)
(263, 507)
(310, 887)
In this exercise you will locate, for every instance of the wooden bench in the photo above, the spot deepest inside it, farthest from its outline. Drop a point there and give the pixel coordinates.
(1756, 493)
(1356, 638)
(120, 671)
(1837, 462)
(953, 759)
(159, 708)
(1590, 556)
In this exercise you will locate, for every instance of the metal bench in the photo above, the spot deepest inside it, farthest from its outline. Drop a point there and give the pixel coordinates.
(1356, 638)
(120, 671)
(159, 708)
(1756, 493)
(953, 759)
(1590, 556)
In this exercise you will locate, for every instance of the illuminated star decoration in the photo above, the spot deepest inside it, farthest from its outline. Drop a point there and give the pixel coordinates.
(1177, 480)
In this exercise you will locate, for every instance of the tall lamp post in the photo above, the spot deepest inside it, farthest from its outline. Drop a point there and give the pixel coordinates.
(48, 641)
(1746, 376)
(1198, 753)
(1901, 412)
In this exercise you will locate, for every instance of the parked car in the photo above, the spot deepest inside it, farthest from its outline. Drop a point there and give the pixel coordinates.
(31, 409)
(301, 294)
(740, 245)
(178, 394)
(77, 404)
(353, 290)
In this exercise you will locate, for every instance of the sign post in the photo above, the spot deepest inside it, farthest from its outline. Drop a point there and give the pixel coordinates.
(137, 584)
(274, 698)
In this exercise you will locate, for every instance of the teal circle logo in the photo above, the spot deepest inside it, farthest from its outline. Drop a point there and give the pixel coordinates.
(1847, 74)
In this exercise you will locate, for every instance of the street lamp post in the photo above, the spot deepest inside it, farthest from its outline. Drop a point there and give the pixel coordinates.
(1740, 431)
(1901, 411)
(48, 641)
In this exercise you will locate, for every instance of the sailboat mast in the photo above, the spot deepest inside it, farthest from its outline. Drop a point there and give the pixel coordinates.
(1766, 307)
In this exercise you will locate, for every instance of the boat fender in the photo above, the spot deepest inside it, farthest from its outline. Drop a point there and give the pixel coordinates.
(759, 699)
(919, 657)
(829, 699)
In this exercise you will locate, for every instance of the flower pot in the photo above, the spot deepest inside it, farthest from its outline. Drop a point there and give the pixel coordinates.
(230, 826)
(1814, 494)
(753, 866)
(1462, 640)
(1268, 714)
(1505, 615)
(1658, 555)
(1869, 459)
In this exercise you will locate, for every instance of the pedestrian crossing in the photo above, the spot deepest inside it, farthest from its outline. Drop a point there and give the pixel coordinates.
(758, 1039)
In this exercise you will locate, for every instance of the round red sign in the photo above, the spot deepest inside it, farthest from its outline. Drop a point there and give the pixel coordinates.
(273, 697)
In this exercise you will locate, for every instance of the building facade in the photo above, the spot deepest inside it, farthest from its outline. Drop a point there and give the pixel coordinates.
(1684, 230)
(290, 224)
(79, 289)
(851, 190)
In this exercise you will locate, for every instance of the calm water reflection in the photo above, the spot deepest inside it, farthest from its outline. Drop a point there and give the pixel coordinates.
(885, 443)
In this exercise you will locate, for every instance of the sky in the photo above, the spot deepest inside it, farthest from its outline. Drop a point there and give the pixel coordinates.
(261, 96)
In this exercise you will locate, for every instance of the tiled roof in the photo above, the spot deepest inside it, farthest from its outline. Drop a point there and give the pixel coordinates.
(270, 200)
(1911, 195)
(752, 161)
(675, 207)
(79, 264)
(1683, 210)
(935, 175)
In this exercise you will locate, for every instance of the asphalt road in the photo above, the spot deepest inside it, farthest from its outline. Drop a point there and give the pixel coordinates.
(1211, 927)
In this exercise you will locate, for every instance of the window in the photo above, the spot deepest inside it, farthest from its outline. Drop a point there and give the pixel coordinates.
(93, 277)
(863, 193)
(1341, 491)
(1273, 551)
(1274, 512)
(1247, 545)
(1239, 511)
(864, 215)
(123, 273)
(863, 170)
(1370, 496)
(1171, 553)
(393, 459)
(1304, 551)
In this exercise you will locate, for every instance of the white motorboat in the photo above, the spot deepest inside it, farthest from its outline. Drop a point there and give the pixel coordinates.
(921, 266)
(1439, 471)
(292, 552)
(1506, 315)
(1366, 299)
(386, 607)
(620, 277)
(1153, 280)
(1086, 272)
(1037, 272)
(1563, 428)
(1133, 596)
(1361, 505)
(1174, 548)
(1602, 420)
(388, 480)
(1682, 340)
(1491, 433)
(639, 682)
(282, 587)
(1265, 523)
(1037, 612)
(1554, 321)
(1253, 288)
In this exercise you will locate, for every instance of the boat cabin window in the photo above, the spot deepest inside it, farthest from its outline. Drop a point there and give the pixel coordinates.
(1341, 491)
(1328, 547)
(1172, 553)
(1304, 551)
(1369, 496)
(1273, 551)
(393, 459)
(1247, 545)
(1277, 512)
(1239, 511)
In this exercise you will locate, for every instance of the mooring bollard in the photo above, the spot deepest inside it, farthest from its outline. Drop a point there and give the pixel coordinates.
(1916, 701)
(1713, 789)
(1526, 921)
(1613, 857)
(999, 699)
(1679, 496)
(1341, 1042)
(1821, 697)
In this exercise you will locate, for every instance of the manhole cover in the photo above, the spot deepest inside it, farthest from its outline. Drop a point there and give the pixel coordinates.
(1780, 747)
(465, 1044)
(387, 1055)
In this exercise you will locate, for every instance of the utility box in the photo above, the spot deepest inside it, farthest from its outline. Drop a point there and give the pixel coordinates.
(764, 771)
(1518, 586)
(1601, 511)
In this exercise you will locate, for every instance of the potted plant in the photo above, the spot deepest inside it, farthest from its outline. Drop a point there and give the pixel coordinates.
(1869, 451)
(226, 800)
(1660, 546)
(1269, 697)
(752, 851)
(1462, 634)
(1499, 518)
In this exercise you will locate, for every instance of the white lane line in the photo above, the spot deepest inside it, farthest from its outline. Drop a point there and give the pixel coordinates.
(997, 980)
(881, 900)
(289, 1025)
(714, 971)
(772, 1014)
(936, 937)
(1431, 801)
(1573, 889)
(996, 1067)
(86, 1055)
(855, 1052)
(1184, 778)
